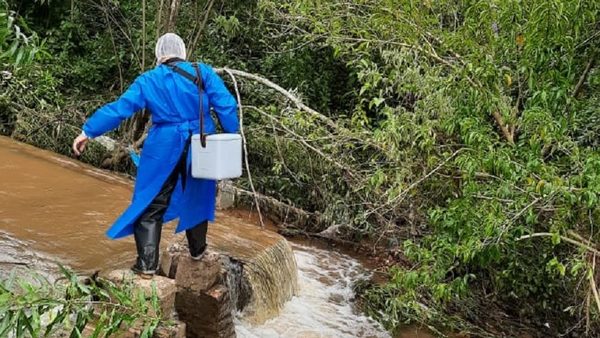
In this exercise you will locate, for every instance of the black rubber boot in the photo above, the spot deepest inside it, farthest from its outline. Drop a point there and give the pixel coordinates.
(147, 233)
(147, 229)
(196, 237)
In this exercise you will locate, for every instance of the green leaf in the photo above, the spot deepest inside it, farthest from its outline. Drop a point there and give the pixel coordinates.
(5, 323)
(19, 56)
(146, 333)
(555, 238)
(100, 325)
(59, 318)
(20, 316)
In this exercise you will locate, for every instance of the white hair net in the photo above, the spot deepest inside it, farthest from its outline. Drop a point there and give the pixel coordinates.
(169, 46)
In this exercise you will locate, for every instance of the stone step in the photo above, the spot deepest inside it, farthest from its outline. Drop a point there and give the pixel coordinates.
(166, 288)
(203, 301)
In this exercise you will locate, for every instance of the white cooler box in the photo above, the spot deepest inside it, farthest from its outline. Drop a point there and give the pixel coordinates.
(221, 159)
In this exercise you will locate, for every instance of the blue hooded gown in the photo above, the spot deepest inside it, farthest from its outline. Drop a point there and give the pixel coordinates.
(173, 103)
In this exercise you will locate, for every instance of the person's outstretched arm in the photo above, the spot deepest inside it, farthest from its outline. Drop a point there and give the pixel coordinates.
(221, 100)
(109, 116)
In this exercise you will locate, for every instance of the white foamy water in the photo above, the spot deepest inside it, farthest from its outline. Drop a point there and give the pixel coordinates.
(324, 305)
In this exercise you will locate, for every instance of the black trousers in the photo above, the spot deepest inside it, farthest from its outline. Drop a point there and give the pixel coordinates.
(147, 229)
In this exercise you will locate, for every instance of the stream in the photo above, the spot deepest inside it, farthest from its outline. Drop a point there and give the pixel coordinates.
(54, 209)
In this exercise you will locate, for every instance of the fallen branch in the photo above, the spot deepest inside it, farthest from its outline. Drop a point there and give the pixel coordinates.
(296, 101)
(587, 313)
(564, 238)
(14, 263)
(506, 224)
(401, 195)
(292, 232)
(503, 127)
(344, 168)
(280, 209)
(578, 237)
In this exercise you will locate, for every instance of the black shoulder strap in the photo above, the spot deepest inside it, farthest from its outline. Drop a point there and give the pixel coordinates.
(198, 81)
(185, 74)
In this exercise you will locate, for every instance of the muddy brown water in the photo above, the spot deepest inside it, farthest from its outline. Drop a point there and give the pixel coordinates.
(61, 210)
(55, 209)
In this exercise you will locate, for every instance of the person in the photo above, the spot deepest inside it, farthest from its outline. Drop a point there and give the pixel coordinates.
(164, 189)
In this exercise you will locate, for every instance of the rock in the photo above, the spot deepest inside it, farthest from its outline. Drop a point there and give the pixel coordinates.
(169, 259)
(225, 195)
(165, 288)
(203, 300)
(199, 275)
(176, 330)
(267, 276)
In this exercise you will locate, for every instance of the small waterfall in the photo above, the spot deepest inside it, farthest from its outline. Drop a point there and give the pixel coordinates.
(262, 273)
(273, 280)
(239, 289)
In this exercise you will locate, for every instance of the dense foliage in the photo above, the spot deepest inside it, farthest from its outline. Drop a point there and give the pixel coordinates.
(33, 306)
(461, 135)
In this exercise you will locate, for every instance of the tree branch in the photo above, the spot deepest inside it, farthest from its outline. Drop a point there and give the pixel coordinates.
(583, 77)
(239, 102)
(503, 127)
(564, 238)
(344, 168)
(192, 46)
(296, 101)
(593, 283)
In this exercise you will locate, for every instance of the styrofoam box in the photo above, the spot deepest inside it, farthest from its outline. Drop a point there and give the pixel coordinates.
(221, 159)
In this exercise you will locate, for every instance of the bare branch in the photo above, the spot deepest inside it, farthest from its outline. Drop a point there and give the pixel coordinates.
(564, 238)
(400, 197)
(341, 166)
(296, 101)
(192, 46)
(241, 111)
(593, 283)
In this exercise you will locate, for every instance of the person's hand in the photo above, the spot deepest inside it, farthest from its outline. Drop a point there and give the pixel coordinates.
(79, 144)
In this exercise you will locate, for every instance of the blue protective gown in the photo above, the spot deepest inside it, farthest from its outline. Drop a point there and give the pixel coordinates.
(173, 103)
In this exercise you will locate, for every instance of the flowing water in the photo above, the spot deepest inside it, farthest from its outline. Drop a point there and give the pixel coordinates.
(323, 306)
(53, 209)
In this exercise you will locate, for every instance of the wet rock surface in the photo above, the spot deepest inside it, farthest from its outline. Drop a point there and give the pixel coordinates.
(203, 301)
(263, 274)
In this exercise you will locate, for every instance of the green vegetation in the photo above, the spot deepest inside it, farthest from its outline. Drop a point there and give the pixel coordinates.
(33, 306)
(461, 135)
